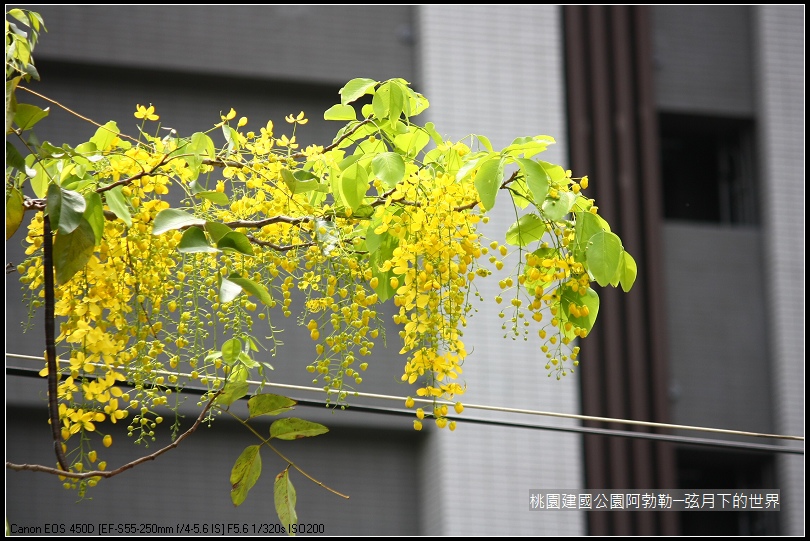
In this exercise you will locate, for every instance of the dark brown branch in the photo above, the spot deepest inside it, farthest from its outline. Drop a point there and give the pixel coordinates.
(267, 221)
(125, 467)
(474, 204)
(279, 247)
(50, 343)
(129, 180)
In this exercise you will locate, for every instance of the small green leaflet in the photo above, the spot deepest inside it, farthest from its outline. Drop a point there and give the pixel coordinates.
(284, 498)
(170, 219)
(356, 88)
(235, 388)
(628, 272)
(604, 255)
(72, 251)
(529, 228)
(233, 285)
(269, 404)
(194, 241)
(293, 428)
(14, 211)
(340, 112)
(556, 209)
(245, 473)
(488, 181)
(388, 167)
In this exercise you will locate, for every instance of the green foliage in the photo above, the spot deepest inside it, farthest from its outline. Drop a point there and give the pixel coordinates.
(155, 296)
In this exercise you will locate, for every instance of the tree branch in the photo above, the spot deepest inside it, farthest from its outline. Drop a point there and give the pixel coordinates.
(299, 155)
(279, 247)
(125, 467)
(50, 343)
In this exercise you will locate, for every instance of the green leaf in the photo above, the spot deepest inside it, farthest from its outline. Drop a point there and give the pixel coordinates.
(293, 428)
(235, 241)
(40, 180)
(269, 404)
(383, 251)
(388, 167)
(556, 209)
(72, 211)
(94, 214)
(235, 388)
(356, 88)
(194, 241)
(628, 272)
(485, 141)
(27, 115)
(217, 230)
(488, 181)
(202, 145)
(590, 299)
(388, 101)
(254, 288)
(53, 205)
(604, 255)
(353, 185)
(587, 225)
(412, 143)
(118, 205)
(284, 498)
(105, 136)
(247, 361)
(555, 172)
(245, 473)
(170, 219)
(231, 350)
(529, 228)
(11, 100)
(340, 112)
(430, 128)
(14, 211)
(228, 290)
(231, 139)
(14, 158)
(536, 178)
(72, 251)
(218, 198)
(327, 235)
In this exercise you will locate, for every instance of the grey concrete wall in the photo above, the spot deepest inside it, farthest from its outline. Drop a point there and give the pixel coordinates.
(703, 59)
(717, 322)
(361, 457)
(498, 71)
(780, 64)
(306, 43)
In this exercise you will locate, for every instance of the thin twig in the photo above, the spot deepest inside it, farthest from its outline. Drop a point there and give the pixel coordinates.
(72, 112)
(125, 467)
(266, 441)
(299, 155)
(131, 179)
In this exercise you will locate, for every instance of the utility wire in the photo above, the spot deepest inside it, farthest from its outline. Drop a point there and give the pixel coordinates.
(574, 429)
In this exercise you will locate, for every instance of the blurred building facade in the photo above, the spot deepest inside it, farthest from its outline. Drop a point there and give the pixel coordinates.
(689, 121)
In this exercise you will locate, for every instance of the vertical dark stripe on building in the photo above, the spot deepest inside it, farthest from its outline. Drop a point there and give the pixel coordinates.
(614, 139)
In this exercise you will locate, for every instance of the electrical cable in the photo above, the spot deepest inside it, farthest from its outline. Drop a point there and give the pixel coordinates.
(689, 440)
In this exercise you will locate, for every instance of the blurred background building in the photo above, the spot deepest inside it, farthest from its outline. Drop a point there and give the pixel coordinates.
(689, 121)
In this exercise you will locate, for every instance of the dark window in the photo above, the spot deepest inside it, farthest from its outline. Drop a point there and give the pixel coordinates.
(731, 472)
(708, 169)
